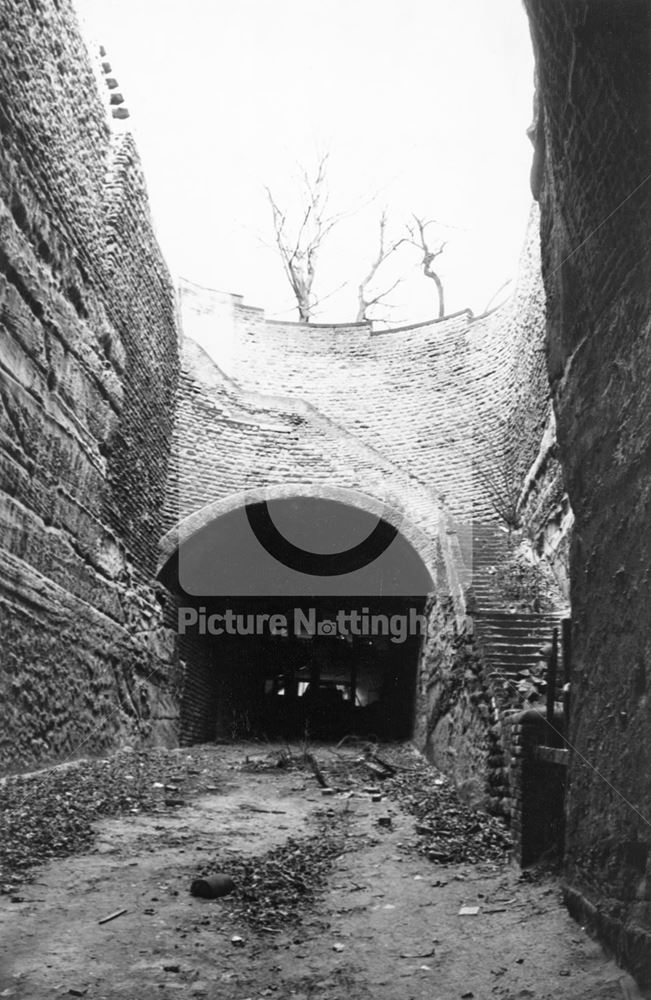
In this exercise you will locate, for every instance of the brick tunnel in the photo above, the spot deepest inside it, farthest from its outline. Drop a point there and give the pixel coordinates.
(268, 413)
(131, 454)
(280, 644)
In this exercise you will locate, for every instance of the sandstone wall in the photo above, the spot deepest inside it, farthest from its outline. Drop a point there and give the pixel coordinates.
(457, 725)
(88, 364)
(591, 173)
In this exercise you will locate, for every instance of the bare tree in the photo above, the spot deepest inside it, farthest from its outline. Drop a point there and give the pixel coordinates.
(299, 242)
(385, 250)
(419, 239)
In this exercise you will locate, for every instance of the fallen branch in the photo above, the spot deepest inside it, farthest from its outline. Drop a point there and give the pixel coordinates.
(389, 768)
(112, 916)
(318, 773)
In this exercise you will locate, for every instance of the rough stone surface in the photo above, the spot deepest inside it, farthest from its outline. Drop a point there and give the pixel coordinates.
(87, 378)
(454, 716)
(593, 158)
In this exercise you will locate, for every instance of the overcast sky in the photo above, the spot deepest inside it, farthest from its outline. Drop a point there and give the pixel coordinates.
(422, 105)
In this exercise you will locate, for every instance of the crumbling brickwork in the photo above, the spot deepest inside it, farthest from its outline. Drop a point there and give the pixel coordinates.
(592, 178)
(87, 379)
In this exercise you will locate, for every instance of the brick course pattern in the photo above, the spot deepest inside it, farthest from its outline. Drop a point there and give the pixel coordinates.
(439, 400)
(407, 416)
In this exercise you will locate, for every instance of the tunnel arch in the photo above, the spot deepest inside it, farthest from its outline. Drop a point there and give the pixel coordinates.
(423, 544)
(242, 678)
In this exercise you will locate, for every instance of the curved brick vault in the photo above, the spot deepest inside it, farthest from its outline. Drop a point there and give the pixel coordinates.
(404, 420)
(422, 543)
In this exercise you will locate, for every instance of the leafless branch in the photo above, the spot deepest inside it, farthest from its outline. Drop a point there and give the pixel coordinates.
(418, 238)
(299, 246)
(384, 252)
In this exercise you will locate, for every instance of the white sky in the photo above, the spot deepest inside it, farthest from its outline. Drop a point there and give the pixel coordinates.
(423, 103)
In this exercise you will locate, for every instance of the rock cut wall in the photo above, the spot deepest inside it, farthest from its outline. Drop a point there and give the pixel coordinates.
(591, 174)
(88, 368)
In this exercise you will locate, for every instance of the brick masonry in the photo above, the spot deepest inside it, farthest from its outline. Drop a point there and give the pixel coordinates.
(438, 399)
(88, 376)
(112, 438)
(418, 417)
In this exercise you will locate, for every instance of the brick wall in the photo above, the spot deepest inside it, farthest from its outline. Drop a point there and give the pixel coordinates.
(411, 414)
(229, 441)
(433, 398)
(446, 405)
(88, 363)
(592, 165)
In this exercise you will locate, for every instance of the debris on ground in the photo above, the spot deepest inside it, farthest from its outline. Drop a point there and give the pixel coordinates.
(273, 889)
(213, 886)
(451, 832)
(112, 916)
(49, 814)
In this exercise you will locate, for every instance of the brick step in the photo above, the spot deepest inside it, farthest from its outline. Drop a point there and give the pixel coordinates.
(509, 674)
(515, 648)
(520, 618)
(526, 658)
(515, 621)
(509, 651)
(516, 633)
(512, 666)
(487, 606)
(525, 642)
(525, 638)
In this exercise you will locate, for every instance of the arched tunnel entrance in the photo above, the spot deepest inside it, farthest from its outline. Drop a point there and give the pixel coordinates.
(269, 651)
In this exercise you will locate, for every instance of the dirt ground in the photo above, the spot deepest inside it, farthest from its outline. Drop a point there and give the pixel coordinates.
(386, 926)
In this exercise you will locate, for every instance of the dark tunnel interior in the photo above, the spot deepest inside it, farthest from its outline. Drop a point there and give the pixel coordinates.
(280, 665)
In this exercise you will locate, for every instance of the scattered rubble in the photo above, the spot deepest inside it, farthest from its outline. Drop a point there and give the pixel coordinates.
(273, 889)
(213, 886)
(50, 814)
(451, 832)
